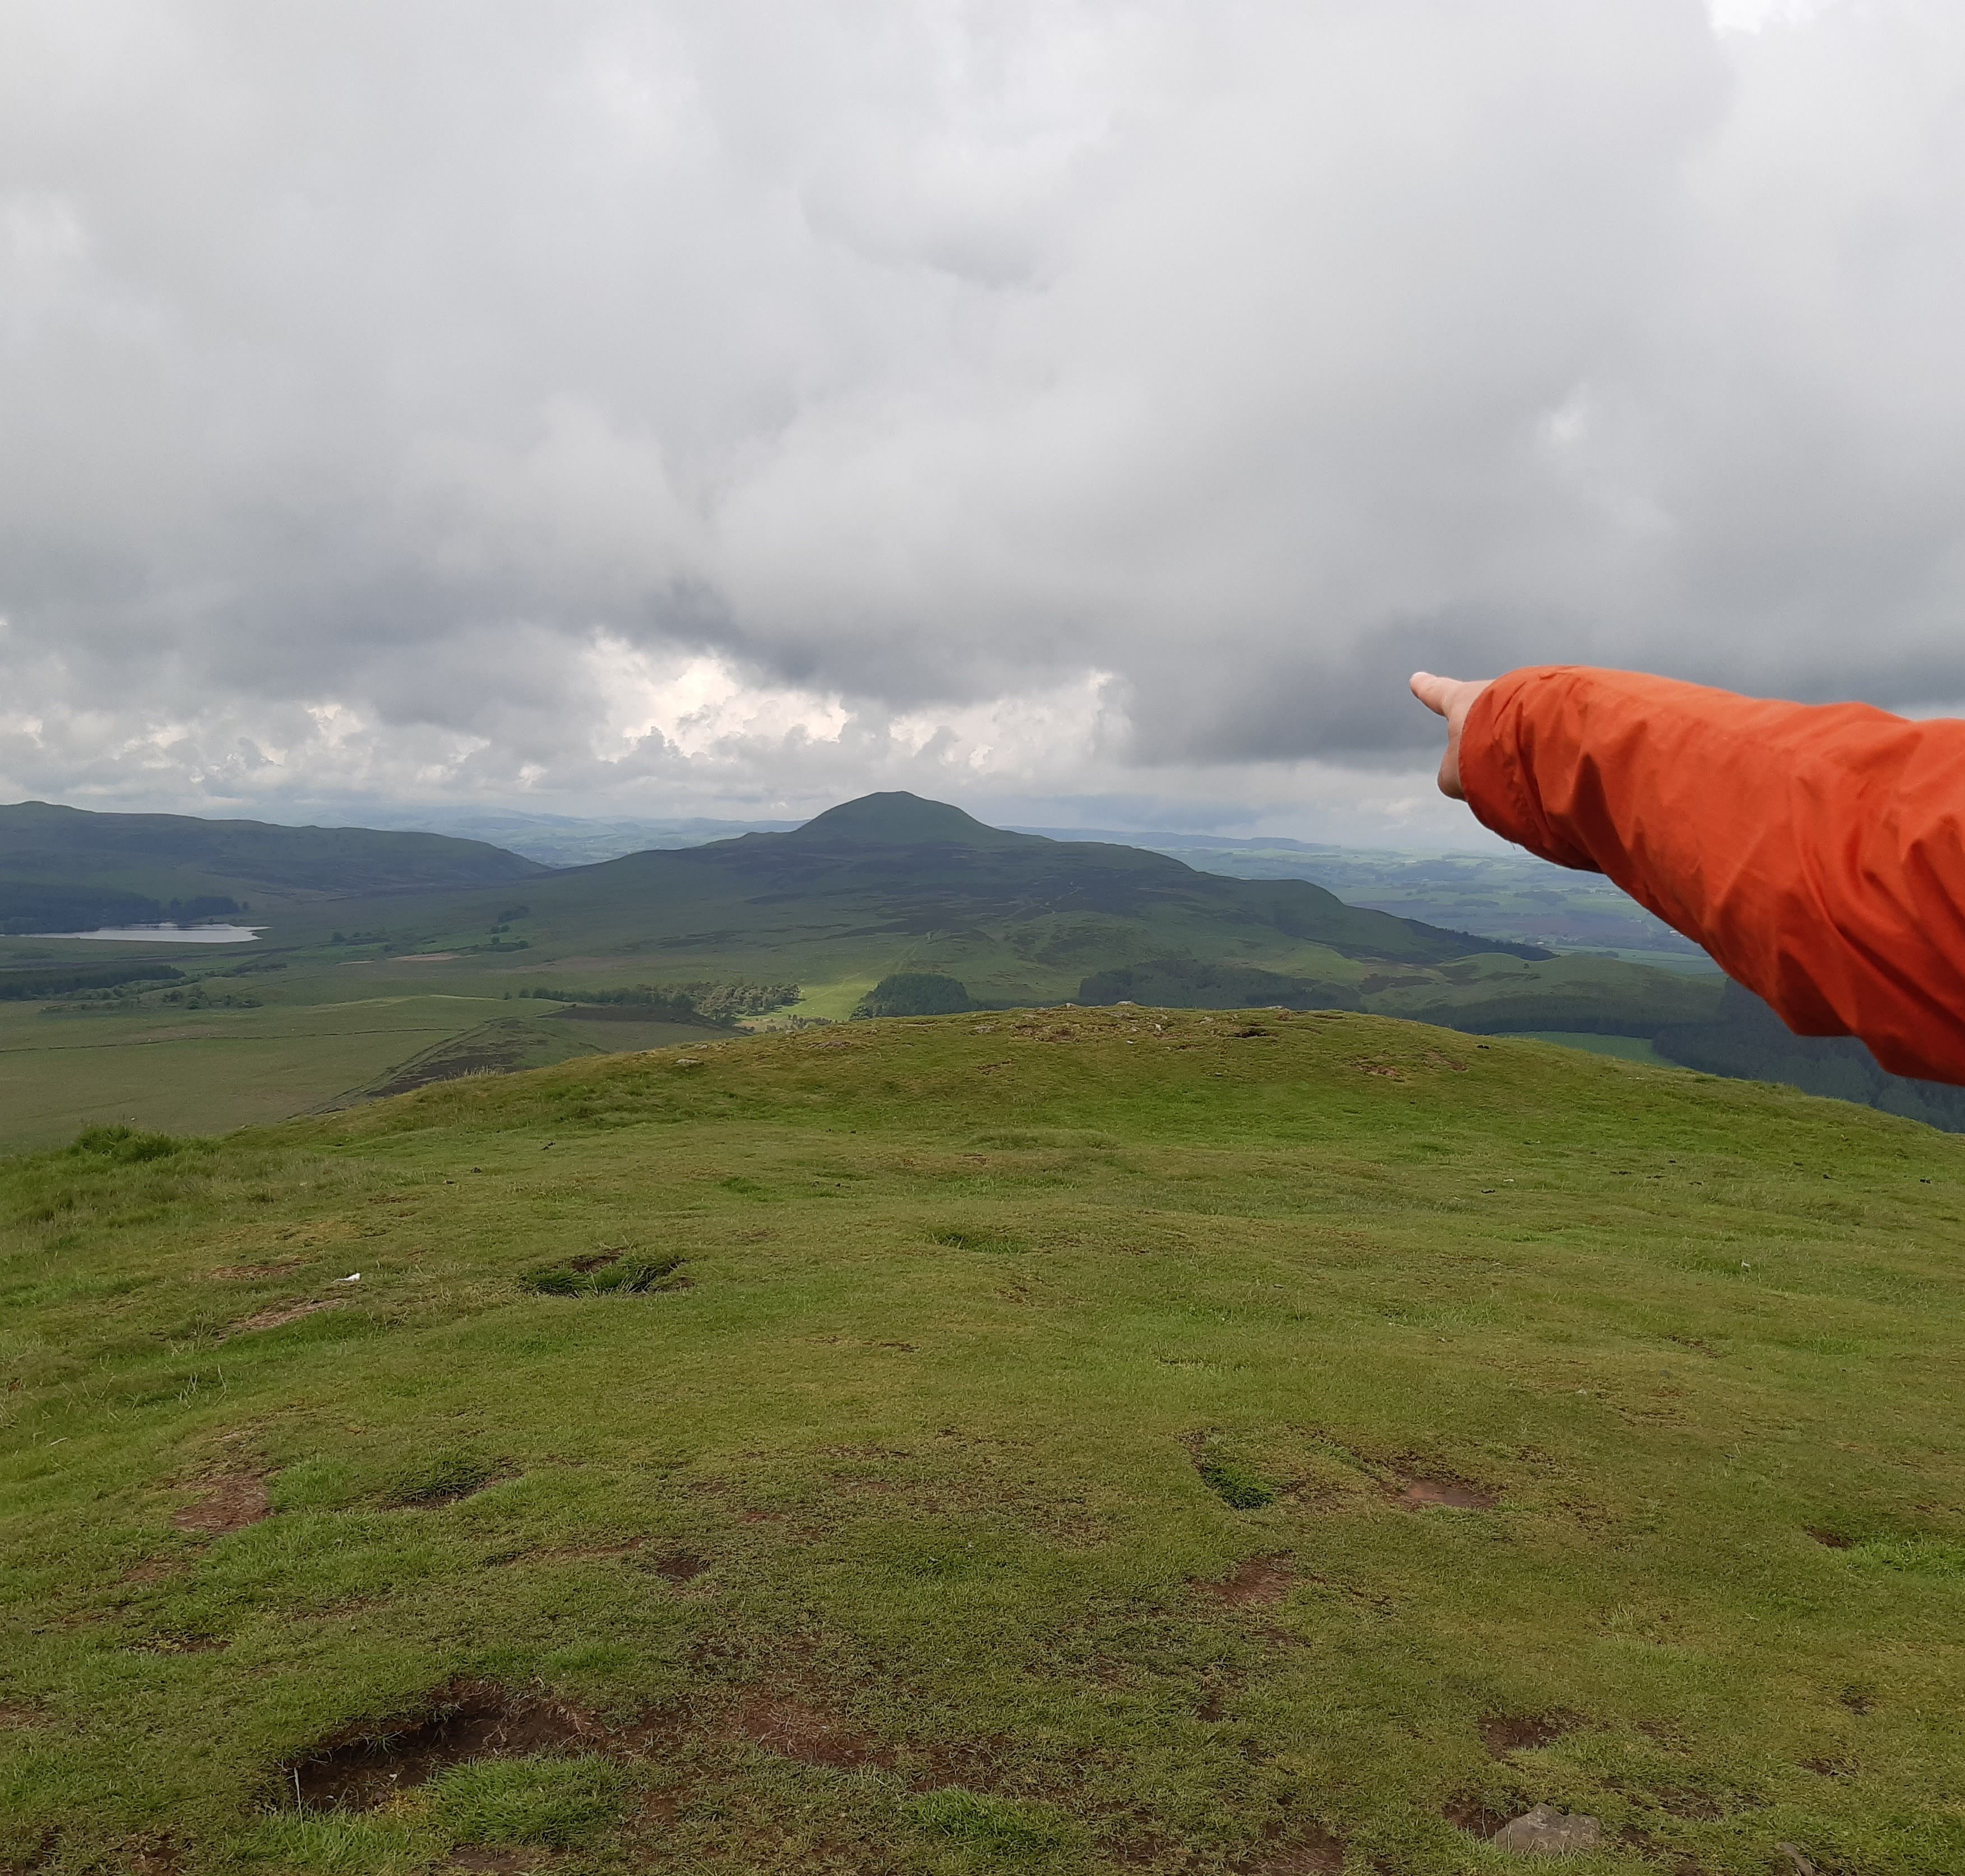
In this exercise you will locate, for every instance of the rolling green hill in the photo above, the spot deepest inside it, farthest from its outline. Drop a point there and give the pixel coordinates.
(68, 868)
(1054, 1442)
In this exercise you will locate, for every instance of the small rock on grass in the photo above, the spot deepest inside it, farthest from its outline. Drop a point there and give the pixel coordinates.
(1547, 1832)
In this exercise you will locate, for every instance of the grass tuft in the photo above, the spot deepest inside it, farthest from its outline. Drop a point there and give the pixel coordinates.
(1912, 1556)
(612, 1274)
(440, 1480)
(341, 1846)
(126, 1145)
(557, 1804)
(996, 1244)
(1234, 1480)
(992, 1827)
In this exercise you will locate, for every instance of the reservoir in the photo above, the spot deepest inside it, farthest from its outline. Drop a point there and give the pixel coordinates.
(165, 934)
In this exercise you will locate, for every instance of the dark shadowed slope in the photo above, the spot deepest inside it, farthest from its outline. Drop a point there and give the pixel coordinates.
(895, 865)
(61, 862)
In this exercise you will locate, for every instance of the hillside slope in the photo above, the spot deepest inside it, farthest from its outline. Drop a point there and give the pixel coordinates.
(930, 869)
(62, 867)
(1060, 1442)
(891, 883)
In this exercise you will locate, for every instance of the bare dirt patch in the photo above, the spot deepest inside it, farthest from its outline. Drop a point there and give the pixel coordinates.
(1259, 1581)
(679, 1566)
(1545, 1831)
(1455, 1494)
(793, 1729)
(228, 1504)
(499, 1862)
(1292, 1852)
(1832, 1539)
(280, 1314)
(11, 1716)
(157, 1570)
(364, 1765)
(1503, 1733)
(1474, 1816)
(179, 1644)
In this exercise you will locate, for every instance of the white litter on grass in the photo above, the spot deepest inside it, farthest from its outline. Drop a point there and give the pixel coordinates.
(356, 1278)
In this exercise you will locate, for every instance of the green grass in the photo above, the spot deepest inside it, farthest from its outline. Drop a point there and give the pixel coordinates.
(204, 1070)
(210, 1070)
(1025, 1479)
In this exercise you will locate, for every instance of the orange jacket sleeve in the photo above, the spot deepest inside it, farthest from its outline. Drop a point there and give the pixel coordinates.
(1817, 852)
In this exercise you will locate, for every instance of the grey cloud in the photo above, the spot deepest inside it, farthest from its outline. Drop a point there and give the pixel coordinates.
(385, 359)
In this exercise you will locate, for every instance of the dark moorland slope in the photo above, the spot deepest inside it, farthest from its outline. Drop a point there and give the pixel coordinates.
(922, 867)
(1075, 1443)
(68, 868)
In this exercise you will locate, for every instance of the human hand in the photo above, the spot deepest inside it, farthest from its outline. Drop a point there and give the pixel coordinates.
(1451, 698)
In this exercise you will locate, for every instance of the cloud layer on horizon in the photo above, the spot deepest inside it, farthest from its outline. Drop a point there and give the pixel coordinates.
(709, 404)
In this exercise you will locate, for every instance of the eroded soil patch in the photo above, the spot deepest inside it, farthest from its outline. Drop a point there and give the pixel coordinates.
(280, 1314)
(1311, 1852)
(228, 1504)
(794, 1729)
(1474, 1816)
(679, 1566)
(1259, 1581)
(1455, 1494)
(1502, 1733)
(366, 1764)
(157, 1570)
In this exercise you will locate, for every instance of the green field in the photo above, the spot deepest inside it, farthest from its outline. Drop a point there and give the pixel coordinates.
(1070, 1441)
(210, 1070)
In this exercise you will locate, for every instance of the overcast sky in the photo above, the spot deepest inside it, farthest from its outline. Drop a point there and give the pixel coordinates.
(1076, 409)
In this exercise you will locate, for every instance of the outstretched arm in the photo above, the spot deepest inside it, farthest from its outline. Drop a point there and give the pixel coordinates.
(1817, 852)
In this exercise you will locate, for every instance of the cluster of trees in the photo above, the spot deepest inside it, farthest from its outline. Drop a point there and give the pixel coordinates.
(198, 997)
(37, 984)
(916, 993)
(27, 907)
(721, 1006)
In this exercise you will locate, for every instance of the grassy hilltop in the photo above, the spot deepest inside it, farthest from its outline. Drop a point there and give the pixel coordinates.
(1057, 1441)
